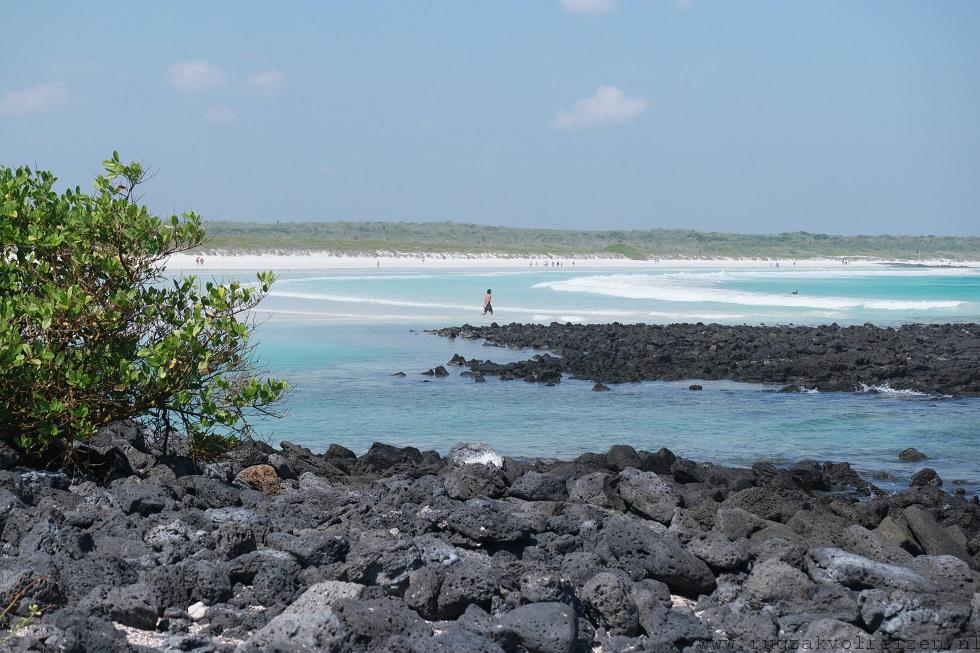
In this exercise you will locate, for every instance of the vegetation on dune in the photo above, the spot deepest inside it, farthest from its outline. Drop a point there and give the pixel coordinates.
(445, 237)
(92, 332)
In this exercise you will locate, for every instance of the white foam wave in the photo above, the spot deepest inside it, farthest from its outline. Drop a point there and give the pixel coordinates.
(645, 286)
(696, 316)
(886, 389)
(400, 277)
(331, 315)
(405, 303)
(818, 273)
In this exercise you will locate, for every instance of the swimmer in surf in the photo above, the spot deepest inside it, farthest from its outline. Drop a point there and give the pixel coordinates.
(487, 307)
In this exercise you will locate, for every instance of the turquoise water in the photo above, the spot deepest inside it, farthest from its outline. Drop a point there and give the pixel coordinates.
(338, 337)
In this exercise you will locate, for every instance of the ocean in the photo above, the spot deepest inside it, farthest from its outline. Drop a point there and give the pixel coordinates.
(339, 336)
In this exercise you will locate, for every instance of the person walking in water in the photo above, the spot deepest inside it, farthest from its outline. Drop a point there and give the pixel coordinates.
(487, 307)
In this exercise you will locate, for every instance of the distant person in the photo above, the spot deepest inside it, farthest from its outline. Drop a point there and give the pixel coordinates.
(487, 306)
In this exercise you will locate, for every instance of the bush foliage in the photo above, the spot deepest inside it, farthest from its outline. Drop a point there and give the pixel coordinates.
(92, 330)
(448, 237)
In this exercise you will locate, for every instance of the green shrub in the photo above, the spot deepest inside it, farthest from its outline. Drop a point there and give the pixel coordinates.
(92, 331)
(625, 250)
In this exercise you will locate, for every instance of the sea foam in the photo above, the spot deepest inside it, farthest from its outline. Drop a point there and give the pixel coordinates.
(656, 287)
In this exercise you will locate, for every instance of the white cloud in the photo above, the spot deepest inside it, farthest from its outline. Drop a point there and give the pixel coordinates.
(265, 82)
(194, 76)
(609, 106)
(220, 114)
(588, 7)
(43, 98)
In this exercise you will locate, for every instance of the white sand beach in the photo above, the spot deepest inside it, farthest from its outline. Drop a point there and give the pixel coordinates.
(394, 260)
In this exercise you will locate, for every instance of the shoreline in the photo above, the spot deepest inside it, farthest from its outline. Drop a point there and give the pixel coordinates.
(273, 549)
(286, 261)
(932, 359)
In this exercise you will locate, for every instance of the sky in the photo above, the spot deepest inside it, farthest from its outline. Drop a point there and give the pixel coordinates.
(722, 115)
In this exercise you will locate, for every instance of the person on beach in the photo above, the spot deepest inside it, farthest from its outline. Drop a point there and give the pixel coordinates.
(487, 307)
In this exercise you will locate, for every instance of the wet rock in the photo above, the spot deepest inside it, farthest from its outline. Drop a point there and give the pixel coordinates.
(695, 386)
(575, 558)
(915, 357)
(924, 477)
(470, 453)
(600, 387)
(386, 458)
(301, 460)
(911, 455)
(621, 456)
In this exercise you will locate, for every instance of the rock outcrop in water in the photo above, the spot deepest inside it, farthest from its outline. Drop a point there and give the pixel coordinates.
(405, 550)
(934, 359)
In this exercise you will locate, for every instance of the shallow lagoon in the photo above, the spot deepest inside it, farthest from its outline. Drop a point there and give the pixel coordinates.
(338, 337)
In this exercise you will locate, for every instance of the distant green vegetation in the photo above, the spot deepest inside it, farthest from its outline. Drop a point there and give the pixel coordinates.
(446, 237)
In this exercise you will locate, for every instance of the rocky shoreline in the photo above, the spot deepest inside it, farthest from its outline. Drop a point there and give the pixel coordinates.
(404, 550)
(937, 359)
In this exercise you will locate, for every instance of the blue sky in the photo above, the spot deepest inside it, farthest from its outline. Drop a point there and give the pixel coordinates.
(842, 117)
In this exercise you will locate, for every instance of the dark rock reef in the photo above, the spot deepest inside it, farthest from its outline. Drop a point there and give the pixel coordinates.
(406, 550)
(934, 358)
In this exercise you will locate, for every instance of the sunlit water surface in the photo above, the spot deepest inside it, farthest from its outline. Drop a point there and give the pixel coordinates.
(338, 336)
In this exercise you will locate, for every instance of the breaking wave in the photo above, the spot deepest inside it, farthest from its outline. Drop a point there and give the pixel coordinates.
(657, 287)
